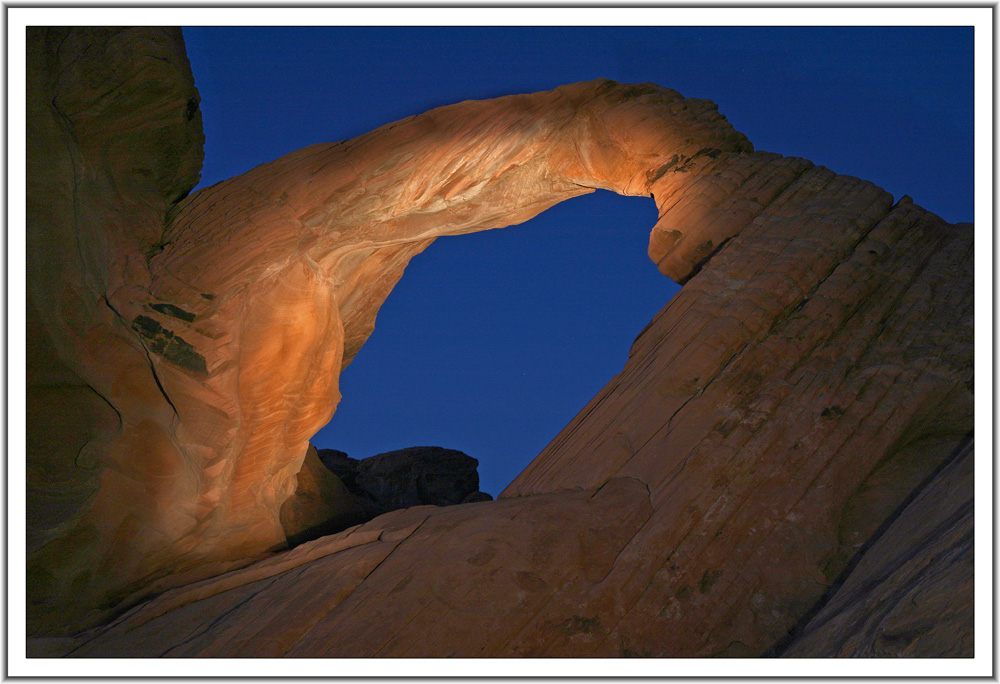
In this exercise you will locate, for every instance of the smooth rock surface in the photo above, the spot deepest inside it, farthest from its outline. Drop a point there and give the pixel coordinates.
(495, 566)
(810, 380)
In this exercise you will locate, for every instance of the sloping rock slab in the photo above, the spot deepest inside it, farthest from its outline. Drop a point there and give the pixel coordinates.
(911, 594)
(470, 580)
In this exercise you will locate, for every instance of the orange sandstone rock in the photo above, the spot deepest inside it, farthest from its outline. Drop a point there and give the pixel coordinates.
(810, 377)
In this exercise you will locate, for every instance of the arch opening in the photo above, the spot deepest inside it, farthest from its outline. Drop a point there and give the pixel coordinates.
(273, 279)
(492, 343)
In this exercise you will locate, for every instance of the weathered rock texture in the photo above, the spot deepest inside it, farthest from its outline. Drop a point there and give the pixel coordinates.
(114, 140)
(808, 381)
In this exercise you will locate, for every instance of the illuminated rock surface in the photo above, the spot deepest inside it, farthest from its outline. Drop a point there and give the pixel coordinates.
(789, 408)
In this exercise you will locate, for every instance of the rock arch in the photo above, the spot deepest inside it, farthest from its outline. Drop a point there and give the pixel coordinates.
(262, 287)
(200, 341)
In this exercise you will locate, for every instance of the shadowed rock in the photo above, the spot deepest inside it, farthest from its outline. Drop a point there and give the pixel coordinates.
(354, 491)
(418, 476)
(340, 464)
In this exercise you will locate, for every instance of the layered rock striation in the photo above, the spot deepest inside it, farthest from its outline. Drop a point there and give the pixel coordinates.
(786, 415)
(910, 592)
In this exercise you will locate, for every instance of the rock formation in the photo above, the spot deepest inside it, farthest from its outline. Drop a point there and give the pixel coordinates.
(334, 491)
(114, 140)
(775, 438)
(322, 503)
(911, 592)
(416, 476)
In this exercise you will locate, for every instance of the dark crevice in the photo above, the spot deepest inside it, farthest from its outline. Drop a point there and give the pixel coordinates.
(159, 385)
(169, 345)
(91, 386)
(174, 311)
(152, 365)
(701, 264)
(219, 618)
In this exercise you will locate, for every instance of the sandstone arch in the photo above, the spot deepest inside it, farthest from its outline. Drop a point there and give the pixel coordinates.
(215, 327)
(245, 323)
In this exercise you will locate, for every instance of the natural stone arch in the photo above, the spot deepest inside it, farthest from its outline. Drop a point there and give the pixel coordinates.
(324, 233)
(260, 289)
(812, 376)
(331, 228)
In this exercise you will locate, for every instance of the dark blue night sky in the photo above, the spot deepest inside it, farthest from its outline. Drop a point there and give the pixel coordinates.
(492, 342)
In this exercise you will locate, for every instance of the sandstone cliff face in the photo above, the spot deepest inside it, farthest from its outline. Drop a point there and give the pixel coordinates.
(804, 387)
(114, 139)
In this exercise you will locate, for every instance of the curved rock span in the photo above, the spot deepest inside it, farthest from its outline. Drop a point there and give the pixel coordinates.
(776, 422)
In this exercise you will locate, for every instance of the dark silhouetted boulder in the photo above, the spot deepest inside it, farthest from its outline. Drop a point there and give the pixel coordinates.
(415, 476)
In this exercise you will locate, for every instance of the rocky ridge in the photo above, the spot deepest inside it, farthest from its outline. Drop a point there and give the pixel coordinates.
(758, 475)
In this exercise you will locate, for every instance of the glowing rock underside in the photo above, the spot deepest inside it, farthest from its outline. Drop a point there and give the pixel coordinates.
(777, 423)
